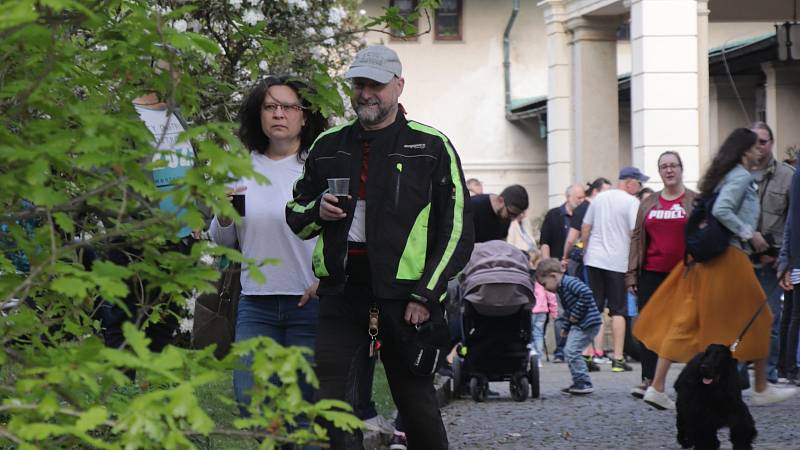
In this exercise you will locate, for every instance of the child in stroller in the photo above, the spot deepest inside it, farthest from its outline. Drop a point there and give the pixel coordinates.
(497, 294)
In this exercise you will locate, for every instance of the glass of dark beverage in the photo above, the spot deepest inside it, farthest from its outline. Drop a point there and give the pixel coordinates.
(238, 203)
(340, 187)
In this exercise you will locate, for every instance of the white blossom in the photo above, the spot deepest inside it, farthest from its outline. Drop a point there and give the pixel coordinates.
(180, 25)
(329, 41)
(317, 52)
(186, 324)
(327, 32)
(336, 15)
(300, 4)
(235, 3)
(252, 16)
(101, 47)
(196, 26)
(310, 31)
(236, 97)
(263, 65)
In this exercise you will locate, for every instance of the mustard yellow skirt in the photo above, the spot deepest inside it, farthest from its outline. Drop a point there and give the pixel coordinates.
(709, 304)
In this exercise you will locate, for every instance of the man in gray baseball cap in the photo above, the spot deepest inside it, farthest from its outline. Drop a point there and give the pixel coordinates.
(376, 77)
(385, 251)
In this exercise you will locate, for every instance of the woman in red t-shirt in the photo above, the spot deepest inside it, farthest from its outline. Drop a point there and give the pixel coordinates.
(657, 245)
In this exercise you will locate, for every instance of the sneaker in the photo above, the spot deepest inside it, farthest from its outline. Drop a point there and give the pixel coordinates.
(658, 400)
(619, 365)
(398, 442)
(557, 360)
(771, 395)
(591, 365)
(601, 360)
(579, 389)
(638, 391)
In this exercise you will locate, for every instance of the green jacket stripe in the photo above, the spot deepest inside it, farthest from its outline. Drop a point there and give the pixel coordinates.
(458, 207)
(412, 263)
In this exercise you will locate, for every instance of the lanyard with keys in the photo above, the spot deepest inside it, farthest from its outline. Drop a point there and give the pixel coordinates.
(375, 343)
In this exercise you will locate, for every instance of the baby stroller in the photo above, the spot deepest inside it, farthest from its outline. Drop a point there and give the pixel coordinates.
(497, 297)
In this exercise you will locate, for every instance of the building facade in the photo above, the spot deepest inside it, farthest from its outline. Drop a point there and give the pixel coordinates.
(593, 84)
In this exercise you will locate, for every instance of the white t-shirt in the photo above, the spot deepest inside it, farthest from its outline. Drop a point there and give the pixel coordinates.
(264, 233)
(358, 227)
(179, 154)
(612, 215)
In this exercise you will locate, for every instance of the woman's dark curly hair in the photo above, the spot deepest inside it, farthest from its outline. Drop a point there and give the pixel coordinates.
(729, 155)
(250, 131)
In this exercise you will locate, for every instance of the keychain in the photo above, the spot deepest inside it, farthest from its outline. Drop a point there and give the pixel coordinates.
(375, 343)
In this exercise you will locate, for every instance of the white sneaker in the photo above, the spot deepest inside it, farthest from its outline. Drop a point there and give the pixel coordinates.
(771, 395)
(658, 400)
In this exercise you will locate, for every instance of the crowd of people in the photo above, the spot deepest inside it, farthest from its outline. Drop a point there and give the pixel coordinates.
(373, 219)
(627, 240)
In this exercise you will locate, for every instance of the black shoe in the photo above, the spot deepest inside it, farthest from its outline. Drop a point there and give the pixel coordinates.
(591, 365)
(579, 389)
(398, 442)
(557, 360)
(619, 365)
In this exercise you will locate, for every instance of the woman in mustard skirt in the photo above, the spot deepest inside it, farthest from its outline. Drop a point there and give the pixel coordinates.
(712, 301)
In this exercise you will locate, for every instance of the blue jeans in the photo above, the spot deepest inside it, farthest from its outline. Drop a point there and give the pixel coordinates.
(577, 340)
(537, 332)
(277, 317)
(767, 277)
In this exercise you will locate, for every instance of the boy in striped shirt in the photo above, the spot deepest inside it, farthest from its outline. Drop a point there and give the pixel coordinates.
(581, 320)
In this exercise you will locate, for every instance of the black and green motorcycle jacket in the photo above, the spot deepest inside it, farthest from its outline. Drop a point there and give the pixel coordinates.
(419, 227)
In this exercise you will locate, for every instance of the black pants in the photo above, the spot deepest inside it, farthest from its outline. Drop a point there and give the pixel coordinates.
(342, 357)
(608, 288)
(648, 283)
(791, 308)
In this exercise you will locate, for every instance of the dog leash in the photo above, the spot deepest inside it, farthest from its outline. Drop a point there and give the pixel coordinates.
(747, 327)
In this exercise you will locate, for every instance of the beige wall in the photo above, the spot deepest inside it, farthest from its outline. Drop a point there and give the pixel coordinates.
(457, 87)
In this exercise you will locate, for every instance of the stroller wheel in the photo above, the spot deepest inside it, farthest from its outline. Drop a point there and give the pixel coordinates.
(519, 388)
(533, 375)
(478, 389)
(458, 377)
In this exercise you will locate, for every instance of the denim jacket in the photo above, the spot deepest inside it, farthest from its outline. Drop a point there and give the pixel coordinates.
(737, 207)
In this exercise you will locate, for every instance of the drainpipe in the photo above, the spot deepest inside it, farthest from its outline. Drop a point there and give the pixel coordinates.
(507, 56)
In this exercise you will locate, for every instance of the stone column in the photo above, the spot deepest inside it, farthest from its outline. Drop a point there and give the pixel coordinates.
(559, 102)
(728, 111)
(596, 101)
(665, 89)
(783, 104)
(704, 151)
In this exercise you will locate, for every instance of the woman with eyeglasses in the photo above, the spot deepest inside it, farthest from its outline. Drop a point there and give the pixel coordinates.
(278, 126)
(712, 302)
(657, 245)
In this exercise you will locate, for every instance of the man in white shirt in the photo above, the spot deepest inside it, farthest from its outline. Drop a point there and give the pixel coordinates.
(607, 230)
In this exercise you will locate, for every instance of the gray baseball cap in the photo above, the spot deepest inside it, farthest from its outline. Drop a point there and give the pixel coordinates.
(377, 63)
(632, 173)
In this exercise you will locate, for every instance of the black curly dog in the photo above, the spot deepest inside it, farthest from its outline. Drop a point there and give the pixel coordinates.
(710, 398)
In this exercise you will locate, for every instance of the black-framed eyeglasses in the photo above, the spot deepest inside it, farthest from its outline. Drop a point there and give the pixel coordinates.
(669, 166)
(273, 107)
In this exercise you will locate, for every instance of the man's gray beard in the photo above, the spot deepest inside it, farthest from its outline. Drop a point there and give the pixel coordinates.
(366, 117)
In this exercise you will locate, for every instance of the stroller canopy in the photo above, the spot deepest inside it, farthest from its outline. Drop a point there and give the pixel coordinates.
(497, 275)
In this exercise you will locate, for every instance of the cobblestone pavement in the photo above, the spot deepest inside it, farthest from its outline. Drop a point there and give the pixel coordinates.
(610, 418)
